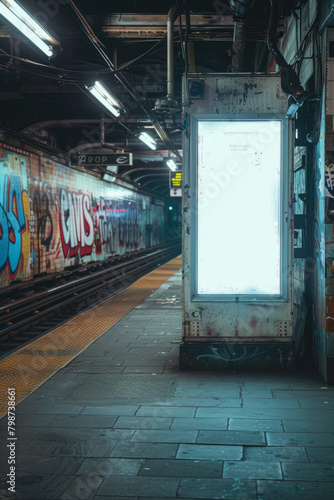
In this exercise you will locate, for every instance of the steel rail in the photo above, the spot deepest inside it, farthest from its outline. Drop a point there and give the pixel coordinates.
(24, 310)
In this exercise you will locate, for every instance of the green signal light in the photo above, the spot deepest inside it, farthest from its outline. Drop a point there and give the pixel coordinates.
(170, 208)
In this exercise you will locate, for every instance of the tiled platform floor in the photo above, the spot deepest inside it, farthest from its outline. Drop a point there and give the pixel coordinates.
(121, 422)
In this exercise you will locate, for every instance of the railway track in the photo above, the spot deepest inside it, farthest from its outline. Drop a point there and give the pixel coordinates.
(30, 309)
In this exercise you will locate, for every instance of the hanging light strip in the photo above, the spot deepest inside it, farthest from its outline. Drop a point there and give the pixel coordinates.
(148, 140)
(103, 95)
(22, 21)
(171, 164)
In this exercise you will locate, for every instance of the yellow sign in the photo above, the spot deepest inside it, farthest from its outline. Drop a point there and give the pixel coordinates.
(176, 179)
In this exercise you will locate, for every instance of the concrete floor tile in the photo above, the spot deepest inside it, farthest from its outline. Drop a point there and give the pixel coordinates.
(34, 420)
(276, 454)
(243, 424)
(293, 490)
(181, 468)
(52, 487)
(96, 447)
(229, 489)
(110, 467)
(297, 394)
(320, 403)
(271, 403)
(93, 370)
(143, 369)
(77, 421)
(34, 464)
(110, 410)
(308, 472)
(256, 393)
(145, 450)
(209, 452)
(143, 423)
(164, 436)
(232, 437)
(165, 411)
(216, 392)
(320, 454)
(252, 470)
(322, 423)
(125, 486)
(200, 423)
(300, 439)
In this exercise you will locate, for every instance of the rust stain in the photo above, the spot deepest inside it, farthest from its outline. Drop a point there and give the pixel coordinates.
(209, 330)
(253, 322)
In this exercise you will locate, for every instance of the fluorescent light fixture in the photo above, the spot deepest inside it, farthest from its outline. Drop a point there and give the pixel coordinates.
(171, 164)
(22, 21)
(148, 140)
(103, 95)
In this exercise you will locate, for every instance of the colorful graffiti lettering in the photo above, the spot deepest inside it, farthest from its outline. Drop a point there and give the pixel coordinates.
(103, 226)
(12, 220)
(52, 217)
(76, 224)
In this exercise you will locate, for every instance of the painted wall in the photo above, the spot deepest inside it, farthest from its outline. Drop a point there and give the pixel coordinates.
(52, 216)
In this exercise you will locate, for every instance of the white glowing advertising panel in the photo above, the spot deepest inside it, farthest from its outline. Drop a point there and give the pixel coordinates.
(239, 205)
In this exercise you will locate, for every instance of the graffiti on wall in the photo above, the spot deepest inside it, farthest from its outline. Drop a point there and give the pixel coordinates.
(52, 217)
(329, 192)
(76, 223)
(14, 206)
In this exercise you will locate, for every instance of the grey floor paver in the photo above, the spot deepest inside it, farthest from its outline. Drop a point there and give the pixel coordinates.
(200, 423)
(242, 424)
(164, 436)
(320, 454)
(142, 486)
(209, 452)
(121, 422)
(145, 450)
(229, 489)
(276, 454)
(110, 466)
(300, 439)
(232, 437)
(181, 468)
(143, 423)
(252, 470)
(308, 472)
(291, 490)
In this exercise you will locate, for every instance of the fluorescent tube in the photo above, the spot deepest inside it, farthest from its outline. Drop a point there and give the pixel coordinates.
(171, 164)
(148, 140)
(22, 21)
(103, 95)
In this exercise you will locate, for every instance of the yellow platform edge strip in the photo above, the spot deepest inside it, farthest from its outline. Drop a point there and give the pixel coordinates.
(31, 365)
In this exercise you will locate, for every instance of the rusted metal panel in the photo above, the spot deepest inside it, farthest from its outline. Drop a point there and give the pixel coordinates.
(217, 319)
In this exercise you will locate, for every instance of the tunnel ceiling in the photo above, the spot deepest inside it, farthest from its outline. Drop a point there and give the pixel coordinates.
(122, 44)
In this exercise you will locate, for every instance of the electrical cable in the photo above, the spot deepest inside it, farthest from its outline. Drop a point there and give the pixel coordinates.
(289, 80)
(88, 32)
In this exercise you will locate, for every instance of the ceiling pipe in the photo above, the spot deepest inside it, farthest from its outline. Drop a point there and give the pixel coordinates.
(239, 45)
(241, 9)
(290, 82)
(170, 51)
(92, 38)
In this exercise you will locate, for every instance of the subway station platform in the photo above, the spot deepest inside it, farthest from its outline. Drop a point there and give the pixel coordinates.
(120, 421)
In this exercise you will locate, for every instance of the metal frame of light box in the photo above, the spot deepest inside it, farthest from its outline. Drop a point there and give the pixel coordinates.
(284, 177)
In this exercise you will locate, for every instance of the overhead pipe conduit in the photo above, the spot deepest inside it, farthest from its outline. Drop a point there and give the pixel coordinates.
(241, 9)
(92, 38)
(290, 82)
